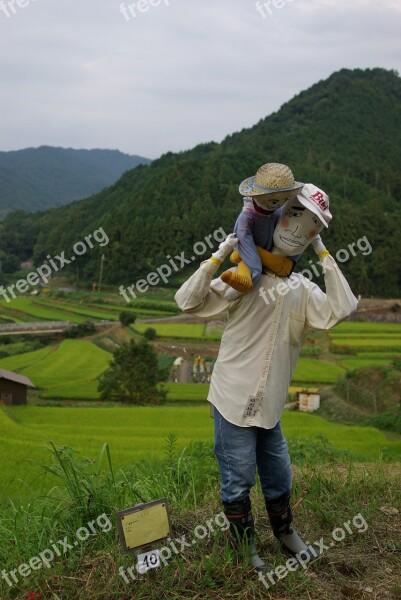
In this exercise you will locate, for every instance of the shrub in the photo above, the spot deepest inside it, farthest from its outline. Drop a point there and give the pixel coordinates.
(150, 333)
(127, 318)
(82, 330)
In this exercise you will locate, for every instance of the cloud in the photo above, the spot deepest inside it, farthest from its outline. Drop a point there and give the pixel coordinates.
(82, 75)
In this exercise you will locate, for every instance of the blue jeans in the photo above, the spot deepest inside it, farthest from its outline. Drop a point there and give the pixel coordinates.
(239, 450)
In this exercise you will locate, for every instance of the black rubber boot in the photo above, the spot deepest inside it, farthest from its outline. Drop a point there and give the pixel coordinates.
(280, 517)
(242, 531)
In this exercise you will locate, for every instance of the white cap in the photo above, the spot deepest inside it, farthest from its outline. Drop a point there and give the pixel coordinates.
(317, 201)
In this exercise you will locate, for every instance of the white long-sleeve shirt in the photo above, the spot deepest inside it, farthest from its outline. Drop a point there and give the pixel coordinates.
(262, 339)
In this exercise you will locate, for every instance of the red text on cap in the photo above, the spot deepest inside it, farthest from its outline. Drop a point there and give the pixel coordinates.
(318, 198)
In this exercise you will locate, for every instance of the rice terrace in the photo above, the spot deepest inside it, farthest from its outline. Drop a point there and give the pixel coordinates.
(349, 435)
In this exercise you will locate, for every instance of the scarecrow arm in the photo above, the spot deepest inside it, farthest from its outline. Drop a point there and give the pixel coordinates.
(319, 247)
(324, 310)
(225, 248)
(197, 296)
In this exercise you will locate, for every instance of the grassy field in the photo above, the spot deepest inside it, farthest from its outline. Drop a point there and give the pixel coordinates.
(379, 355)
(356, 328)
(81, 310)
(362, 338)
(24, 361)
(186, 391)
(26, 309)
(174, 330)
(69, 370)
(35, 312)
(324, 497)
(62, 367)
(372, 342)
(134, 432)
(312, 370)
(196, 392)
(357, 363)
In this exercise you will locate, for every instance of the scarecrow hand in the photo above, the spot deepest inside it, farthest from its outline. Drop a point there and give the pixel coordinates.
(319, 247)
(225, 248)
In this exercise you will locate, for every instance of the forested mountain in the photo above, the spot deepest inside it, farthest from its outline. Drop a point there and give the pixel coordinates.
(343, 134)
(38, 178)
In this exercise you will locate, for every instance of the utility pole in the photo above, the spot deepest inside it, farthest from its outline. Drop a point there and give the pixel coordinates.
(101, 271)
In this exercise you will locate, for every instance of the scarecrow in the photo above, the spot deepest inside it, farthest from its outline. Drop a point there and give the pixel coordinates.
(257, 358)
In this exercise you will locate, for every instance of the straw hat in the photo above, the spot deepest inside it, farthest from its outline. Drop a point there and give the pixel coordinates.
(271, 178)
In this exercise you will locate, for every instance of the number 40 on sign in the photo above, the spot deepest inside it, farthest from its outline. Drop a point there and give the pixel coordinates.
(148, 560)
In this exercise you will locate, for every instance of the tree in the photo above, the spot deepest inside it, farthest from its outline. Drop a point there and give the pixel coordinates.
(150, 333)
(133, 376)
(127, 318)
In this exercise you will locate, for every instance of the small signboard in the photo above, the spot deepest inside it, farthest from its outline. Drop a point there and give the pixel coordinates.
(143, 526)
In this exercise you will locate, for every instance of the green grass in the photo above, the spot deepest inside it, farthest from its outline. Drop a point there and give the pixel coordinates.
(80, 310)
(38, 312)
(7, 318)
(379, 355)
(366, 336)
(326, 496)
(139, 312)
(174, 330)
(313, 370)
(99, 311)
(21, 362)
(390, 342)
(67, 365)
(134, 432)
(187, 391)
(76, 390)
(357, 363)
(357, 328)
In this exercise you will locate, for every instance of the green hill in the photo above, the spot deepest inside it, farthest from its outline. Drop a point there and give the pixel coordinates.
(38, 178)
(343, 134)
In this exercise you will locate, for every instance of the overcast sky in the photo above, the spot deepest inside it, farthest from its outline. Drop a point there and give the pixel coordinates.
(90, 74)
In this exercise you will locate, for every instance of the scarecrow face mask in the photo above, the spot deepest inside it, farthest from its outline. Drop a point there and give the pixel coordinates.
(295, 229)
